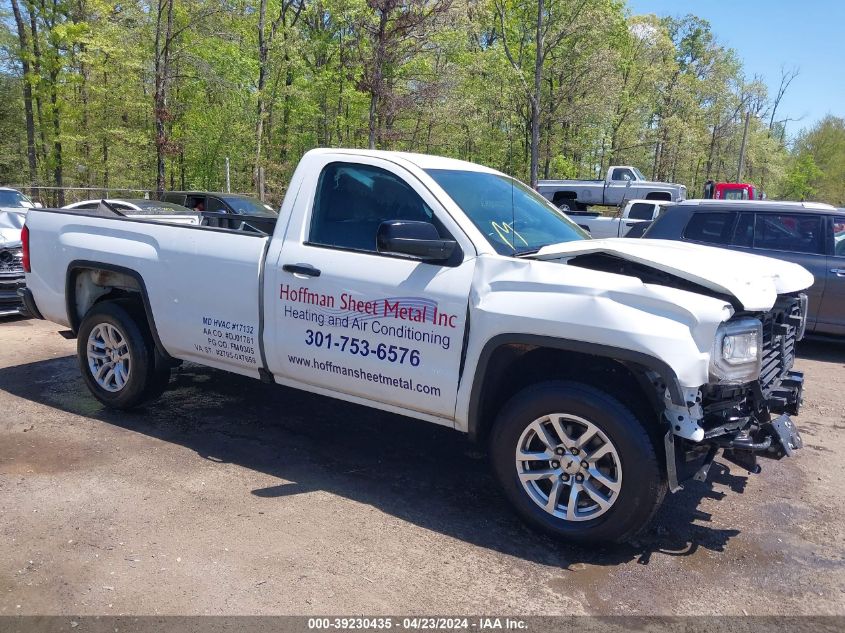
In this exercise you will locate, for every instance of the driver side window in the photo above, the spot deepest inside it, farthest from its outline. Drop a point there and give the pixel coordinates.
(839, 236)
(622, 174)
(353, 200)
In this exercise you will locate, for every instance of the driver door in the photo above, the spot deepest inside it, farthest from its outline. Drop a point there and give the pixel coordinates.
(618, 189)
(350, 319)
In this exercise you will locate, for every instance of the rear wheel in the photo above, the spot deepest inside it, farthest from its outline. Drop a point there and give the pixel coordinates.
(576, 463)
(117, 355)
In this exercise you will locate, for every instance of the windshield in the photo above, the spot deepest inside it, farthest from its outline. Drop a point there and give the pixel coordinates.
(639, 174)
(514, 218)
(249, 206)
(12, 198)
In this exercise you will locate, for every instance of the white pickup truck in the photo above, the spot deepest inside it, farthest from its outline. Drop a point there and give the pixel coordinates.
(599, 372)
(620, 225)
(621, 184)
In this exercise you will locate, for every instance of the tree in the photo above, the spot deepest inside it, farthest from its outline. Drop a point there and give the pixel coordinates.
(800, 178)
(25, 54)
(551, 21)
(393, 33)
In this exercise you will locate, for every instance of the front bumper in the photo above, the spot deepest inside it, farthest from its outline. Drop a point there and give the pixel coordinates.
(10, 302)
(768, 431)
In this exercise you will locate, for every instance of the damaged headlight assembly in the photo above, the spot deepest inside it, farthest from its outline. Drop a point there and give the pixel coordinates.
(737, 354)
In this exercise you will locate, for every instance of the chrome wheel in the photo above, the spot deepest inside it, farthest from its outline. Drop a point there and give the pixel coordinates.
(108, 357)
(569, 467)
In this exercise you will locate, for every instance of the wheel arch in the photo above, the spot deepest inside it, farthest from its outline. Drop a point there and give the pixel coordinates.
(525, 358)
(659, 195)
(89, 282)
(564, 196)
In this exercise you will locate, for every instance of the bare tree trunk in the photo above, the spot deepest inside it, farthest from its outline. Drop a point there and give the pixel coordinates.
(58, 174)
(162, 81)
(376, 84)
(27, 96)
(741, 167)
(86, 138)
(535, 97)
(36, 66)
(105, 139)
(263, 50)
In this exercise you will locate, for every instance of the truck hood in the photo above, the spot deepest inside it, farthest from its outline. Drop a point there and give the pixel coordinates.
(11, 223)
(655, 183)
(753, 280)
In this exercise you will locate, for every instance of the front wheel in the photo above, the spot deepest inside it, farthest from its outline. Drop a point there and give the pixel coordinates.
(575, 463)
(117, 356)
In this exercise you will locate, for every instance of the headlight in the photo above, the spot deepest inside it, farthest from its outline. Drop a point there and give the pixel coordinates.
(737, 352)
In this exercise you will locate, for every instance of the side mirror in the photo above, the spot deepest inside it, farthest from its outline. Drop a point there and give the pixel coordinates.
(417, 240)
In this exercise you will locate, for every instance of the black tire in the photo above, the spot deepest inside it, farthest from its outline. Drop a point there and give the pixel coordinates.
(643, 484)
(144, 382)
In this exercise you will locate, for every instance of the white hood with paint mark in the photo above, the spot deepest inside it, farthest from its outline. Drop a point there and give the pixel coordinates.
(754, 280)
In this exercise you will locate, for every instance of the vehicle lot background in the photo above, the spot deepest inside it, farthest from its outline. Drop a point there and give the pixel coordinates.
(233, 497)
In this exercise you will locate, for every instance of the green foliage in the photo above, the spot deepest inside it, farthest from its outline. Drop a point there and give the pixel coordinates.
(816, 170)
(798, 184)
(661, 94)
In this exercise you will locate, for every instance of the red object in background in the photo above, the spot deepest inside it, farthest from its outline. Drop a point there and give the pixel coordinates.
(733, 191)
(25, 244)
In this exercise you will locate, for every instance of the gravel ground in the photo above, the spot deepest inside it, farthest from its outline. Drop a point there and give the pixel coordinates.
(233, 497)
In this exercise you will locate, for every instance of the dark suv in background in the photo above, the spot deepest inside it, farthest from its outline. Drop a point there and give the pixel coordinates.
(806, 233)
(218, 209)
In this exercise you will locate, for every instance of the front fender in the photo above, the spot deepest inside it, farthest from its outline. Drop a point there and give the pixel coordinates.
(668, 330)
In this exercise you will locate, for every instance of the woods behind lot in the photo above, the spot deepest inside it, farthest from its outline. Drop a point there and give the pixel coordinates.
(158, 93)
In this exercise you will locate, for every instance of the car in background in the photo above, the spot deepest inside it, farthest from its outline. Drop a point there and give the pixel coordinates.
(634, 213)
(731, 191)
(218, 209)
(620, 184)
(13, 208)
(142, 208)
(12, 199)
(806, 233)
(11, 262)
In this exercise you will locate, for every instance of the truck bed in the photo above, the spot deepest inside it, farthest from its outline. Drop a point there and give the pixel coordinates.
(198, 279)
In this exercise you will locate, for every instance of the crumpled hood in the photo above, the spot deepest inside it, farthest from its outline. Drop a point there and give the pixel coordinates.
(11, 223)
(755, 281)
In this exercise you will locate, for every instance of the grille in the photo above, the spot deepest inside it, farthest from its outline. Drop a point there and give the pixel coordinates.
(11, 262)
(780, 331)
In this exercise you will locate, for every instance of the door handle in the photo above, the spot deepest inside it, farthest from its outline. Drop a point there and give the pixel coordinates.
(301, 269)
(839, 272)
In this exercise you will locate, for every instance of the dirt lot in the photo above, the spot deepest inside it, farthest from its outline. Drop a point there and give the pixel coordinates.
(232, 497)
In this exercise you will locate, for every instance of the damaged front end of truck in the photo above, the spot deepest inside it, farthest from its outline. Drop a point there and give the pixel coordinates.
(744, 412)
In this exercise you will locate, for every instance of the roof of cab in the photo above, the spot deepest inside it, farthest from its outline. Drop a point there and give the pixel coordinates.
(422, 161)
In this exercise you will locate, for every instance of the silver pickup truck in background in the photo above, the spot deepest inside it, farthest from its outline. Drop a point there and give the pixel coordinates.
(621, 184)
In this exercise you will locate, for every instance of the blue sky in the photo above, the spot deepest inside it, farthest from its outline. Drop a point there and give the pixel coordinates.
(768, 34)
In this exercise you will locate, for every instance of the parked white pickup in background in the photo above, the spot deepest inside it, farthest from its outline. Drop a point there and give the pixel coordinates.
(620, 224)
